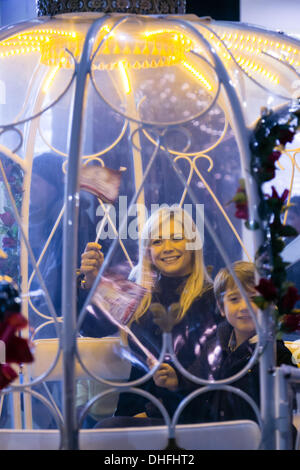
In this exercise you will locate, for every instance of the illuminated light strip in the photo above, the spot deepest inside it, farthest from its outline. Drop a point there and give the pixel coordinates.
(29, 35)
(125, 77)
(163, 51)
(37, 38)
(145, 64)
(240, 38)
(20, 51)
(161, 31)
(239, 43)
(185, 41)
(197, 74)
(31, 39)
(21, 43)
(41, 37)
(258, 68)
(39, 41)
(246, 64)
(50, 78)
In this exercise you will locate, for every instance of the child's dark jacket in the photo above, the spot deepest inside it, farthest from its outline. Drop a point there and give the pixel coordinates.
(218, 362)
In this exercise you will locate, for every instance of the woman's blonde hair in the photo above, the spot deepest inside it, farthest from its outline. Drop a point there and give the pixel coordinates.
(144, 273)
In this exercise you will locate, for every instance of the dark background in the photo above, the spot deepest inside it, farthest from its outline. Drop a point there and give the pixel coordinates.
(218, 9)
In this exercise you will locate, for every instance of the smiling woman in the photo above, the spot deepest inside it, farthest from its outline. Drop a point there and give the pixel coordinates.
(169, 254)
(172, 248)
(180, 300)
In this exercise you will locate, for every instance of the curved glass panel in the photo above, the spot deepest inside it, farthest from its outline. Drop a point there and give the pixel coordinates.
(261, 63)
(139, 295)
(146, 73)
(46, 55)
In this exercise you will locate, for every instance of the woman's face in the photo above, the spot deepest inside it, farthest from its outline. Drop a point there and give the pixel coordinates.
(168, 252)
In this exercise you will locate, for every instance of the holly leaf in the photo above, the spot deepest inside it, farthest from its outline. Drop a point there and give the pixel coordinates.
(287, 231)
(14, 231)
(239, 198)
(261, 302)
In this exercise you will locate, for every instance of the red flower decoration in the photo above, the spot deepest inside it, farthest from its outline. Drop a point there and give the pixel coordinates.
(9, 242)
(267, 289)
(274, 156)
(274, 129)
(290, 298)
(267, 173)
(16, 348)
(241, 211)
(281, 198)
(240, 201)
(7, 218)
(285, 135)
(291, 322)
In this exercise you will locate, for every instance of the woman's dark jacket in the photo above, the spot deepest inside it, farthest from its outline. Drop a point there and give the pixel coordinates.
(188, 337)
(218, 362)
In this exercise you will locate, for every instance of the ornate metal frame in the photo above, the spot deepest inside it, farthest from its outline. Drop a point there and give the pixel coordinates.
(67, 342)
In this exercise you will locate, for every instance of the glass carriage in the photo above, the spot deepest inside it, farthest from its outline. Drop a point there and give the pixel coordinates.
(106, 121)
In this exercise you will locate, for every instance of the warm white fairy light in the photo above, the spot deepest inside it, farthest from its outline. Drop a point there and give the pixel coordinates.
(197, 74)
(125, 77)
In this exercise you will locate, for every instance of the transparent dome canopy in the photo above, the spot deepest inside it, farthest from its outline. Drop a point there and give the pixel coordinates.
(104, 119)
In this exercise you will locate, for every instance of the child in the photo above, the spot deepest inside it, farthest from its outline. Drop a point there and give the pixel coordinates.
(228, 353)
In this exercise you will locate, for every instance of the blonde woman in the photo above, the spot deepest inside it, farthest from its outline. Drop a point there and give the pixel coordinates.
(180, 299)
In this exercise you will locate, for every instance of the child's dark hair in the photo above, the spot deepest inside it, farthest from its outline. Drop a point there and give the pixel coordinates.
(245, 272)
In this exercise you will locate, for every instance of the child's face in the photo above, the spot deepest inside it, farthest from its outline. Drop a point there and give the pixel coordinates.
(237, 313)
(168, 252)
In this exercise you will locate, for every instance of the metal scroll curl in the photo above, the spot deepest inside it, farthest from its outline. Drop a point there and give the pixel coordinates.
(44, 89)
(242, 70)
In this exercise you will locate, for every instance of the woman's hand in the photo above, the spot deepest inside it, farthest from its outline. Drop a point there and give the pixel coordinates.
(91, 261)
(166, 377)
